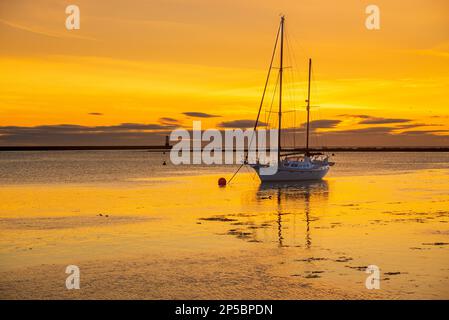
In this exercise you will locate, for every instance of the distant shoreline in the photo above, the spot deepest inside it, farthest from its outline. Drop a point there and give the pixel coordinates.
(166, 148)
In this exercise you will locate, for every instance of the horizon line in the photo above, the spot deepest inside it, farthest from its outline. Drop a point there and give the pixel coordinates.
(156, 148)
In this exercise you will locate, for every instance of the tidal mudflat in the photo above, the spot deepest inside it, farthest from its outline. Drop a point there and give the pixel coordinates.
(140, 231)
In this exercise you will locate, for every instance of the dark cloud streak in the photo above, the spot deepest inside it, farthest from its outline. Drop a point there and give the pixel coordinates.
(71, 134)
(383, 121)
(200, 115)
(241, 124)
(154, 134)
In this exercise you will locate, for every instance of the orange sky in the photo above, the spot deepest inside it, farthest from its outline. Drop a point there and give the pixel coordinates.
(138, 61)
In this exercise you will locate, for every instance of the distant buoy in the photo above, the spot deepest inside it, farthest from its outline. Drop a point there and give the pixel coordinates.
(222, 182)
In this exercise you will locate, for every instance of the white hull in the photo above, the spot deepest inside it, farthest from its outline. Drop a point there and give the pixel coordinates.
(289, 174)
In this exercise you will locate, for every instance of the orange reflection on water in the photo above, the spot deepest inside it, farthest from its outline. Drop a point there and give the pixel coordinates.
(325, 232)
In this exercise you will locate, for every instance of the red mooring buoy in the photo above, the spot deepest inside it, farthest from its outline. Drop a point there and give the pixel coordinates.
(222, 182)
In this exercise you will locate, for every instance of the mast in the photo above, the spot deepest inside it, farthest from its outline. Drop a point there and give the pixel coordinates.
(308, 110)
(264, 92)
(281, 67)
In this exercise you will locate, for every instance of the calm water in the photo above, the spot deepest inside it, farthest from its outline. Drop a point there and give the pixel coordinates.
(122, 166)
(386, 209)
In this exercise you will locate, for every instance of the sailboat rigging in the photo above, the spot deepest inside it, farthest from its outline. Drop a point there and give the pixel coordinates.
(294, 166)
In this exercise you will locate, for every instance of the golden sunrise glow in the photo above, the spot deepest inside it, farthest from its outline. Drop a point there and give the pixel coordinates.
(140, 61)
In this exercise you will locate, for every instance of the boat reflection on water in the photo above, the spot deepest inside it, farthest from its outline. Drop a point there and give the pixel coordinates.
(290, 197)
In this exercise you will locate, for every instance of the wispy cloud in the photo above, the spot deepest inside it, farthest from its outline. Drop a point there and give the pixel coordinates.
(367, 119)
(427, 132)
(154, 133)
(240, 124)
(322, 124)
(200, 115)
(78, 129)
(71, 134)
(43, 32)
(384, 120)
(361, 116)
(169, 121)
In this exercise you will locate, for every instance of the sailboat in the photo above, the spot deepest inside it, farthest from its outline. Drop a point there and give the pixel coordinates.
(294, 166)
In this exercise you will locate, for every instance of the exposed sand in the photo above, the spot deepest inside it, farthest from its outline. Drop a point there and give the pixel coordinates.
(49, 223)
(188, 239)
(240, 276)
